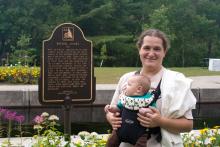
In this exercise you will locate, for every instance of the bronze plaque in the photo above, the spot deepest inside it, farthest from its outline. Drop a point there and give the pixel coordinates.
(67, 67)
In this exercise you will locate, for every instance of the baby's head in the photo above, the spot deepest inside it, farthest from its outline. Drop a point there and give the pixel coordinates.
(137, 85)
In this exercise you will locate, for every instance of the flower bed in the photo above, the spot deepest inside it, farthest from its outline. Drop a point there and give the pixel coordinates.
(19, 74)
(92, 140)
(206, 137)
(195, 138)
(47, 134)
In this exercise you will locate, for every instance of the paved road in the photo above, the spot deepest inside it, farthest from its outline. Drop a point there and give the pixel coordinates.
(207, 82)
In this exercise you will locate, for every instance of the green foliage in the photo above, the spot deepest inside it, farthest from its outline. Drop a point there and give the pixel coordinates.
(23, 41)
(125, 54)
(99, 40)
(192, 26)
(47, 132)
(23, 57)
(112, 49)
(159, 19)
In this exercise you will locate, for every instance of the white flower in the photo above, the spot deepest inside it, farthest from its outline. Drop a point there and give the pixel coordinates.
(94, 134)
(53, 117)
(105, 137)
(44, 114)
(83, 134)
(78, 141)
(36, 127)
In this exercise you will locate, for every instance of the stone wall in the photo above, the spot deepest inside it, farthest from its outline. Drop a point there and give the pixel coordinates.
(24, 99)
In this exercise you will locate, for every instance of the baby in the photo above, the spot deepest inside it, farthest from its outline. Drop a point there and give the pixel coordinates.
(136, 96)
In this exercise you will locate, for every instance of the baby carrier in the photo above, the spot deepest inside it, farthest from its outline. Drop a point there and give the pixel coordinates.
(131, 130)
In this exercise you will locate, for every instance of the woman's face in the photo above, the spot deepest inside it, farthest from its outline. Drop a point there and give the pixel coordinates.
(152, 52)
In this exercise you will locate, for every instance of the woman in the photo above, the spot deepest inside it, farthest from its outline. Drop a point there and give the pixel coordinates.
(174, 109)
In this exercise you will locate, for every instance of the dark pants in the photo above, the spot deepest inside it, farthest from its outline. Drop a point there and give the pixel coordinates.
(114, 141)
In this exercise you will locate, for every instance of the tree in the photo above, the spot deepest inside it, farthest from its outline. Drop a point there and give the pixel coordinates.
(23, 41)
(22, 53)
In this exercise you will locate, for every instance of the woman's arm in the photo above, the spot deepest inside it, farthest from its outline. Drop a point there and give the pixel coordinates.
(114, 120)
(154, 119)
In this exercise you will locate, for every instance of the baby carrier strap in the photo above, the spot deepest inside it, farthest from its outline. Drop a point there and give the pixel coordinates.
(156, 93)
(156, 130)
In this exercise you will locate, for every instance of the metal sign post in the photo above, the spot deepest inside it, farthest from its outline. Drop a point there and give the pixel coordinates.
(67, 122)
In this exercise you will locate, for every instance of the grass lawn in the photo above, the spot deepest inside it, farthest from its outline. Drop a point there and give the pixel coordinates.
(111, 75)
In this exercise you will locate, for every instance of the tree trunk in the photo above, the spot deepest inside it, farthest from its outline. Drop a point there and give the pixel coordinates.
(101, 63)
(209, 52)
(183, 57)
(2, 48)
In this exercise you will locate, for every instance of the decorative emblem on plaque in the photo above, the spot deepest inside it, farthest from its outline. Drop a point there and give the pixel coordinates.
(68, 33)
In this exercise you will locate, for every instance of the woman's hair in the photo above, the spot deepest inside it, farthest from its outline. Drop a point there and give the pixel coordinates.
(154, 33)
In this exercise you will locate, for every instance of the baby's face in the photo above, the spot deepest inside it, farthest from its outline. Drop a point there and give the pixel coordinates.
(132, 86)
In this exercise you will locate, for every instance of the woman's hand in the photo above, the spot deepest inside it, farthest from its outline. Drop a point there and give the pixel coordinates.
(114, 119)
(149, 117)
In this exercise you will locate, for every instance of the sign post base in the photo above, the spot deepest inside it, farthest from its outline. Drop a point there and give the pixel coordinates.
(67, 124)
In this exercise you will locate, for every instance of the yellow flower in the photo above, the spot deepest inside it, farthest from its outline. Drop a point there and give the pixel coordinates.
(216, 127)
(13, 72)
(212, 139)
(203, 131)
(35, 72)
(19, 74)
(24, 71)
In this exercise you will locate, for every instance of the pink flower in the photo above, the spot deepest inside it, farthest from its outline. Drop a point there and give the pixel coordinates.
(2, 110)
(38, 119)
(10, 115)
(19, 118)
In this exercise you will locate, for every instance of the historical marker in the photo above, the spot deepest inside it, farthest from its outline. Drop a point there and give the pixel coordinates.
(67, 67)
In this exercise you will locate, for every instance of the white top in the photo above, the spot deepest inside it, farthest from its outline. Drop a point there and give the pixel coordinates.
(174, 86)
